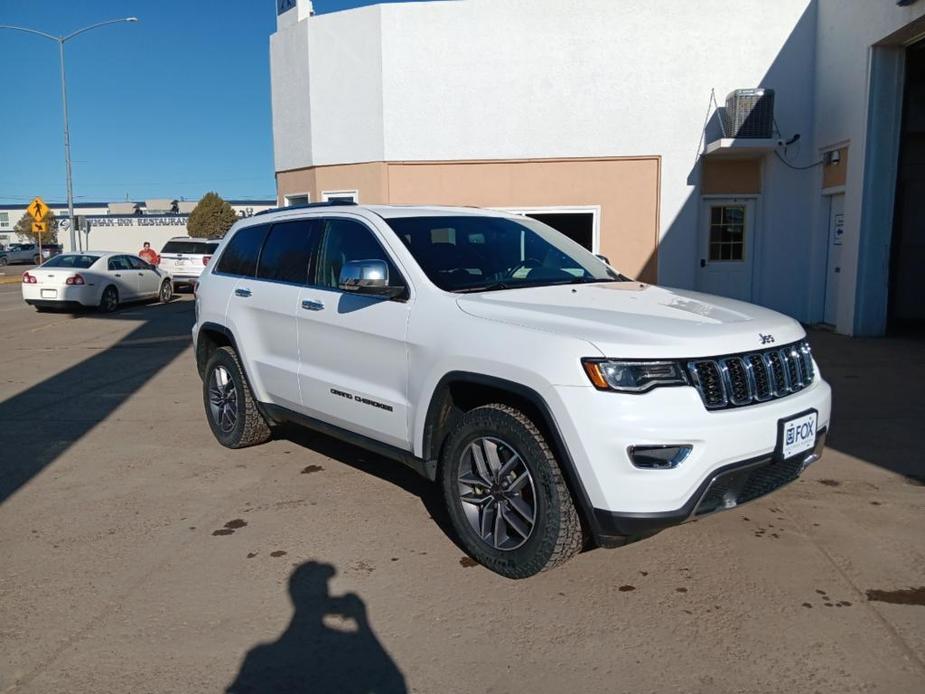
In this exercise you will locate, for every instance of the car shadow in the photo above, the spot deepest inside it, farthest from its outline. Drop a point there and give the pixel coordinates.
(379, 466)
(328, 646)
(43, 422)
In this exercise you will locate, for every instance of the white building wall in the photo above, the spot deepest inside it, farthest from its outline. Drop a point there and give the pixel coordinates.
(847, 30)
(498, 79)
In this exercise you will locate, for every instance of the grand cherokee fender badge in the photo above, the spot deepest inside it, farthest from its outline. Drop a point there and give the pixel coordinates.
(766, 339)
(360, 399)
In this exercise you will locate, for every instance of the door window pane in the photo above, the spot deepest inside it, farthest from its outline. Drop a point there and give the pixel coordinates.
(287, 253)
(137, 263)
(345, 240)
(240, 255)
(727, 232)
(119, 262)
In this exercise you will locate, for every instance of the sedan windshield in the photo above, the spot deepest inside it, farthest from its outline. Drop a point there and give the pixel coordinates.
(470, 253)
(75, 260)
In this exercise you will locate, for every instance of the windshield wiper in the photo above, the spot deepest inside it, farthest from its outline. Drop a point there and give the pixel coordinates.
(490, 287)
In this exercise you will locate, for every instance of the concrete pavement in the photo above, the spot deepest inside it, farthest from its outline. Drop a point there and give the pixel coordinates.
(140, 556)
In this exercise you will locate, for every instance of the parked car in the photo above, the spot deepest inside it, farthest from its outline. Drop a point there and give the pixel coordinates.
(185, 258)
(94, 278)
(554, 400)
(23, 253)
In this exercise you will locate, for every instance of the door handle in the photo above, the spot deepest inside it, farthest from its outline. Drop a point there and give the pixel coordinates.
(242, 292)
(311, 305)
(703, 262)
(118, 274)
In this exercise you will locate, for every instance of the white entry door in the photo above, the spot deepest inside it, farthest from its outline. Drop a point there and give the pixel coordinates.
(833, 265)
(727, 247)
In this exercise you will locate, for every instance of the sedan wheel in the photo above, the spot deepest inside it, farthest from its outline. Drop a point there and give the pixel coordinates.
(109, 302)
(166, 293)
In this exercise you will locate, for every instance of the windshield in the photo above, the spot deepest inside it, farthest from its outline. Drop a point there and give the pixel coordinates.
(472, 253)
(81, 262)
(190, 247)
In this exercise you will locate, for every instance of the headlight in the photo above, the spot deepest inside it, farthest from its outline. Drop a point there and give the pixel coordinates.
(633, 376)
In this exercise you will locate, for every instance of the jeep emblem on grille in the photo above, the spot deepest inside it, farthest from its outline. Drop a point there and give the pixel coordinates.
(766, 339)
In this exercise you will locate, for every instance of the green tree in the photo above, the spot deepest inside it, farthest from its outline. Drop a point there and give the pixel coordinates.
(24, 227)
(211, 217)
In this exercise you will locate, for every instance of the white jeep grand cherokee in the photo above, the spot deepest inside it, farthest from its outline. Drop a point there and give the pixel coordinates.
(553, 399)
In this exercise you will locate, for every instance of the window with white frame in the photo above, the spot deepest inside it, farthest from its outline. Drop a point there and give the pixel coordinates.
(4, 220)
(341, 195)
(297, 199)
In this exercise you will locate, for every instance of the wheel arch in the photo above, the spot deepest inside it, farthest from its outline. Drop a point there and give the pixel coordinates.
(459, 391)
(211, 336)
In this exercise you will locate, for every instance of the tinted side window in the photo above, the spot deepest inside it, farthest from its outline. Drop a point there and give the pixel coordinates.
(345, 240)
(287, 252)
(137, 263)
(240, 255)
(119, 262)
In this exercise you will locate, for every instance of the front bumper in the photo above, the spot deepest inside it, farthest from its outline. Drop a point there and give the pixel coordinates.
(598, 428)
(728, 487)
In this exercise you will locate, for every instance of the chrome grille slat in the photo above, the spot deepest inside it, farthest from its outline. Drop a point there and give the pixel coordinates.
(742, 379)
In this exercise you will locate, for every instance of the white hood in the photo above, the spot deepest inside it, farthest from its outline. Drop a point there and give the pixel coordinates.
(634, 320)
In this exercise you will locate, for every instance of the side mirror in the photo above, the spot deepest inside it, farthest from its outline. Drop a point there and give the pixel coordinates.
(603, 258)
(369, 277)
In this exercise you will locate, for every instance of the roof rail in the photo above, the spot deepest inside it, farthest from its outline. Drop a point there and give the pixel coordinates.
(308, 206)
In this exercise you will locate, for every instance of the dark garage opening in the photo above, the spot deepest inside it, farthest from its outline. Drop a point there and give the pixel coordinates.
(906, 312)
(578, 226)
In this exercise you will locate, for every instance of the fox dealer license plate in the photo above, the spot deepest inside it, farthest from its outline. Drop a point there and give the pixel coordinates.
(798, 434)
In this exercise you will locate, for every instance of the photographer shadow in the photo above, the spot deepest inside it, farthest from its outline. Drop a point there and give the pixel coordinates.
(328, 646)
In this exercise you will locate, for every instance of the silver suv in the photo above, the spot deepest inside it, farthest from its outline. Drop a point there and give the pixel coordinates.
(184, 258)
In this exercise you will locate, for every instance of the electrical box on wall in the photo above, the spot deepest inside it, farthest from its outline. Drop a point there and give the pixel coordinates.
(749, 113)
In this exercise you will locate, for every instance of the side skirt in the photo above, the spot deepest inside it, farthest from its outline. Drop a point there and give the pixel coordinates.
(280, 415)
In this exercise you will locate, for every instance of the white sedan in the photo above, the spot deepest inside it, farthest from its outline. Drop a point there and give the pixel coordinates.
(94, 278)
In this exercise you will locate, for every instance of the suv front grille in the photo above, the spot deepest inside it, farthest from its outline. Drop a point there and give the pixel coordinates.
(744, 379)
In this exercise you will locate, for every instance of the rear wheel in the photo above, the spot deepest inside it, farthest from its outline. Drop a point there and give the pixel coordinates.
(4, 260)
(506, 496)
(166, 292)
(37, 260)
(230, 407)
(109, 301)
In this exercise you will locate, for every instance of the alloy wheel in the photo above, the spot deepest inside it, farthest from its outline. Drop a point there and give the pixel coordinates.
(223, 399)
(497, 492)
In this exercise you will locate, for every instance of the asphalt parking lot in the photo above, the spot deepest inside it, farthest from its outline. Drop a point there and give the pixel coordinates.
(140, 556)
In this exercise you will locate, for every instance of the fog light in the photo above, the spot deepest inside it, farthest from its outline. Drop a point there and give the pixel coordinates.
(662, 457)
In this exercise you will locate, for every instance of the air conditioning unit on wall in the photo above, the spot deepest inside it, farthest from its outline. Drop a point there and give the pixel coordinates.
(749, 113)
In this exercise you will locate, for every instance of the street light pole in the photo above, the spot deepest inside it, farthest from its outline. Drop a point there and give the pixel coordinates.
(61, 40)
(67, 153)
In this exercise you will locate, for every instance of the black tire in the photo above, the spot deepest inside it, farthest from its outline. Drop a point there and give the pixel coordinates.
(165, 295)
(109, 300)
(4, 261)
(249, 428)
(556, 534)
(37, 260)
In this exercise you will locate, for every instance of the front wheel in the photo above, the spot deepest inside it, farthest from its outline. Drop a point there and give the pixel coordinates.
(166, 292)
(230, 407)
(505, 493)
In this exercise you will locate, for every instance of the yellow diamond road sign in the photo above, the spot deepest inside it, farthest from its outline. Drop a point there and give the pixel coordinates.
(37, 209)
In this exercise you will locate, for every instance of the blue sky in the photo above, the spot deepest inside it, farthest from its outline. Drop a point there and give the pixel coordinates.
(173, 106)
